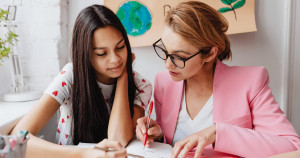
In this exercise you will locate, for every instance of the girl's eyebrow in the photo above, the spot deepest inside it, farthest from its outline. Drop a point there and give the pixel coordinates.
(120, 41)
(105, 47)
(176, 51)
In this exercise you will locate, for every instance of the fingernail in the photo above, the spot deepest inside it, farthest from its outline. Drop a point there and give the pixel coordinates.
(144, 131)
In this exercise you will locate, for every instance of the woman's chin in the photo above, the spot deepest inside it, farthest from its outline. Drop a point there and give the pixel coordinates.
(176, 78)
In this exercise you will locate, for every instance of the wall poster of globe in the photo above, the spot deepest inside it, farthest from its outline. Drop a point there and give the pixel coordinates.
(144, 19)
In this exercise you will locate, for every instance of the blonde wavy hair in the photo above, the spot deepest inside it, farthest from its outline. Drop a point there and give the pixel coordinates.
(202, 26)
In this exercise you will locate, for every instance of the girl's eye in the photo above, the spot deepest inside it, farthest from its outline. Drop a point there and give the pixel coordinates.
(102, 54)
(121, 47)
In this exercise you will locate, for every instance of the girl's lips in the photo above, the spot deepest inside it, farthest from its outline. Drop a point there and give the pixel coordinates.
(173, 73)
(116, 68)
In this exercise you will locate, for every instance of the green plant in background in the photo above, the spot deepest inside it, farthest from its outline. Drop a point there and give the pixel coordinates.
(236, 5)
(10, 38)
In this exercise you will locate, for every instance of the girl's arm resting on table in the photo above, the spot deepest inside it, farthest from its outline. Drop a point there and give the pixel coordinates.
(37, 147)
(37, 118)
(34, 121)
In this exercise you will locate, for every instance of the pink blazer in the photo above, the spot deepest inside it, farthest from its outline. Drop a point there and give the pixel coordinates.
(249, 121)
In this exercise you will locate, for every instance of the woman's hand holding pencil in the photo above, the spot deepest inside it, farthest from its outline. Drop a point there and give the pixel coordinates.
(154, 132)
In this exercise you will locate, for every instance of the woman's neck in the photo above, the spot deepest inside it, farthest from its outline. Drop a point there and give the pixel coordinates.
(202, 81)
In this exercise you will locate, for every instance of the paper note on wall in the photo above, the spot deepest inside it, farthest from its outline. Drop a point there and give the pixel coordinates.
(144, 19)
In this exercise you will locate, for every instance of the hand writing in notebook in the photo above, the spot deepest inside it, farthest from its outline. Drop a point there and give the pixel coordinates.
(154, 131)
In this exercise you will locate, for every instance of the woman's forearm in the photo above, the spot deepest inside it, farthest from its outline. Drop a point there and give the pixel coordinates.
(120, 123)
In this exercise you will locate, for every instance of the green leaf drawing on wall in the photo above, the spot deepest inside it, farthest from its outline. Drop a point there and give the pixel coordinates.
(224, 10)
(228, 2)
(239, 4)
(232, 7)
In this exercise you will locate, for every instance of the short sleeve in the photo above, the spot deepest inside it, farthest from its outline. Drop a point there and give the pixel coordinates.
(144, 94)
(60, 88)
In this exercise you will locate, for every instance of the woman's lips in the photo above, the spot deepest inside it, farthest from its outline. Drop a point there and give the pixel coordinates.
(173, 73)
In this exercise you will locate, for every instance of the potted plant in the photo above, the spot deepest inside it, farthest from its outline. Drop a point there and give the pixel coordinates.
(9, 38)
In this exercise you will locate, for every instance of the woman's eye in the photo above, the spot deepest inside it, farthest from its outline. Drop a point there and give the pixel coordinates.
(121, 47)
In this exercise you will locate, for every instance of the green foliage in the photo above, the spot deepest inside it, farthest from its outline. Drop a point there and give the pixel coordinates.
(10, 38)
(237, 5)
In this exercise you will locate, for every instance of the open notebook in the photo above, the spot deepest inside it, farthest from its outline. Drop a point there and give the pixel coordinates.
(157, 150)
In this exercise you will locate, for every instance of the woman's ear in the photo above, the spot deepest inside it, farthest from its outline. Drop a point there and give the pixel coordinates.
(212, 54)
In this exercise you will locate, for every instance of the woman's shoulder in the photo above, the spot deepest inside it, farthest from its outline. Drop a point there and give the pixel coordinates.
(253, 76)
(248, 71)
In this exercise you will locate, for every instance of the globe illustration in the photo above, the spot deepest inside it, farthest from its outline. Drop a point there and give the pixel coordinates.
(135, 17)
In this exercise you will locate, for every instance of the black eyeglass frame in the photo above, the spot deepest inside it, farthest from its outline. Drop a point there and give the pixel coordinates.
(172, 55)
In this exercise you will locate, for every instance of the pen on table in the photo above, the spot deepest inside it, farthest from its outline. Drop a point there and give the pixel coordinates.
(148, 123)
(109, 149)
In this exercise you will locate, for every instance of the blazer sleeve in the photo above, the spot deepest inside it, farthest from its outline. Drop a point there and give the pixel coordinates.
(158, 95)
(272, 133)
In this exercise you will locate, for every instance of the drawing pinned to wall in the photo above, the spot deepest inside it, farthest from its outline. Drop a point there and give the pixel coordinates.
(135, 17)
(144, 19)
(235, 6)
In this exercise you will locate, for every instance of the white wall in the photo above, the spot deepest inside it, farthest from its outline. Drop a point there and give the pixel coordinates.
(294, 87)
(42, 29)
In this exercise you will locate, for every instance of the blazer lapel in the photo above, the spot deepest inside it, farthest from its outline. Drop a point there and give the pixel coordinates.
(171, 108)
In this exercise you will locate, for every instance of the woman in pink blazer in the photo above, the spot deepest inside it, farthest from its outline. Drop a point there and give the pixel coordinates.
(205, 105)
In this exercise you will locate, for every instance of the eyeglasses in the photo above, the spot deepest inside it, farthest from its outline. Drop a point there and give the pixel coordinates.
(176, 60)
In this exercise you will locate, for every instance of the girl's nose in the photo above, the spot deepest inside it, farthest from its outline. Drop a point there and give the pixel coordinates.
(114, 57)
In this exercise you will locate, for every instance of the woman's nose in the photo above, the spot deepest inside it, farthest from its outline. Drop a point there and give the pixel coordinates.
(169, 63)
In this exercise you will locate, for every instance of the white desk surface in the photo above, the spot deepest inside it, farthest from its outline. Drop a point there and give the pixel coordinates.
(11, 113)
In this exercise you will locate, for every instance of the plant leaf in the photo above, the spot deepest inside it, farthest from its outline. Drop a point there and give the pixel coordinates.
(227, 2)
(239, 4)
(224, 10)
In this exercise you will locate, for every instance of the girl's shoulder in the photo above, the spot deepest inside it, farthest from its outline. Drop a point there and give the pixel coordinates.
(144, 92)
(67, 72)
(140, 80)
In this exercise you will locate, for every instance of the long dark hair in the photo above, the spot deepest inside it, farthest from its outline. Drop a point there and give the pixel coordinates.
(90, 113)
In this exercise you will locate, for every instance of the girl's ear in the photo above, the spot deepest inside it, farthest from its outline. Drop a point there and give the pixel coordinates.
(132, 57)
(212, 54)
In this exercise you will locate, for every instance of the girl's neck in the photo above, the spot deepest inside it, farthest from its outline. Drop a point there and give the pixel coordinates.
(105, 80)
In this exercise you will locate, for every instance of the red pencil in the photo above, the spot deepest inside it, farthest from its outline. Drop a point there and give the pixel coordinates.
(148, 123)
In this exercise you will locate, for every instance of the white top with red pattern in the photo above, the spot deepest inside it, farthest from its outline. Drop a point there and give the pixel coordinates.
(61, 87)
